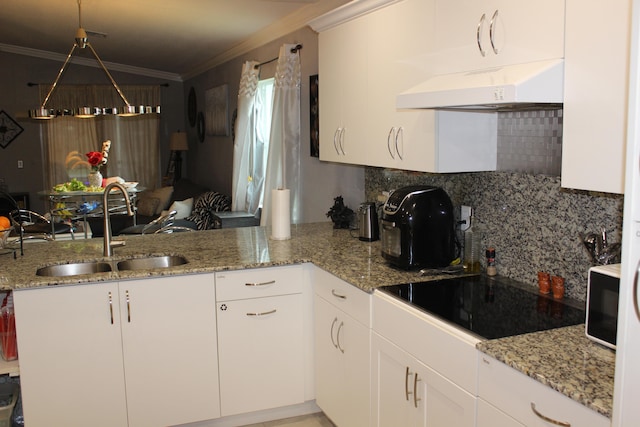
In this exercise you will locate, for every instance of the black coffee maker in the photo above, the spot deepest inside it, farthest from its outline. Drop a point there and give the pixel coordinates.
(417, 228)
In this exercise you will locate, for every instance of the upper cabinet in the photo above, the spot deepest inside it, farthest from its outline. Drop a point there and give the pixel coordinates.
(595, 95)
(366, 60)
(492, 33)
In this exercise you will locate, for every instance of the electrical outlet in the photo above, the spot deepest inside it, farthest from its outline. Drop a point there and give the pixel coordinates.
(20, 164)
(465, 217)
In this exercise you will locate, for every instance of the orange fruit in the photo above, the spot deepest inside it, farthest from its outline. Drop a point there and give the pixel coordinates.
(4, 223)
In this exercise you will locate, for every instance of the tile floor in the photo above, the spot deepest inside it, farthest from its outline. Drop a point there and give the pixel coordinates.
(313, 420)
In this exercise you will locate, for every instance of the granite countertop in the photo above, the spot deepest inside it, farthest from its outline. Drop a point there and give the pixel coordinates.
(341, 253)
(563, 359)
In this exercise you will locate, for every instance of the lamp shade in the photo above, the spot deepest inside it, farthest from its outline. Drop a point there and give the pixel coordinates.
(178, 142)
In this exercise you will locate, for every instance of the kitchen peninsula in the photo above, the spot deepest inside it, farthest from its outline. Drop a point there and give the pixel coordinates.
(588, 380)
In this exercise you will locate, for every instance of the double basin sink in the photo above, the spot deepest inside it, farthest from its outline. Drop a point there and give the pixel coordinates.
(92, 267)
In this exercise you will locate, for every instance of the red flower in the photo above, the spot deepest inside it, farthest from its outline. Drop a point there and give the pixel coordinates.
(94, 158)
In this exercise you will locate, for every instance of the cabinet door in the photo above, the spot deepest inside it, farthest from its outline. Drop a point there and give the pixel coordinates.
(170, 349)
(342, 367)
(522, 32)
(408, 393)
(70, 350)
(397, 61)
(490, 416)
(343, 92)
(261, 353)
(595, 114)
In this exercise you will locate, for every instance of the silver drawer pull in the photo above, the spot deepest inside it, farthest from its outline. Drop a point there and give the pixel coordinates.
(479, 34)
(338, 346)
(264, 313)
(493, 25)
(547, 419)
(337, 295)
(407, 392)
(333, 324)
(111, 307)
(271, 282)
(416, 399)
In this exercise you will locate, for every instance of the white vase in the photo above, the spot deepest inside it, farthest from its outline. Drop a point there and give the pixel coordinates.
(95, 179)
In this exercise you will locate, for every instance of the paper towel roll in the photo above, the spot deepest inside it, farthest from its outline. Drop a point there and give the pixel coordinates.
(280, 214)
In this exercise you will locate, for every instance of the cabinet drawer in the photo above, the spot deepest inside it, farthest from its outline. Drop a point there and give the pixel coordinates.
(348, 298)
(442, 347)
(258, 282)
(514, 393)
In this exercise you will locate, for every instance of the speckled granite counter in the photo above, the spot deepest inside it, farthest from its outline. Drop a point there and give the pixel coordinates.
(550, 357)
(565, 360)
(337, 251)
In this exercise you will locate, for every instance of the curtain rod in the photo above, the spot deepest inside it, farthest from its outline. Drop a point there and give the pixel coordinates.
(294, 49)
(31, 84)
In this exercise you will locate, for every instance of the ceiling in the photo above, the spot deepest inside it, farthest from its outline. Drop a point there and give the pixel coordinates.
(166, 38)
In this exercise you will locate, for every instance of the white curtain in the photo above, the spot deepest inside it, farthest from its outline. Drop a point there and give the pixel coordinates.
(134, 153)
(283, 162)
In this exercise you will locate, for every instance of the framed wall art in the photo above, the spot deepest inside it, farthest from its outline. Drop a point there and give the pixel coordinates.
(9, 129)
(217, 111)
(314, 119)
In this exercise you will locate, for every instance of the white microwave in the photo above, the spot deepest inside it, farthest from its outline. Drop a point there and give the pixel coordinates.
(603, 291)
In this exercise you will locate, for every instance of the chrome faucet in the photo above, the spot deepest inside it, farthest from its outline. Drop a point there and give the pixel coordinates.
(108, 244)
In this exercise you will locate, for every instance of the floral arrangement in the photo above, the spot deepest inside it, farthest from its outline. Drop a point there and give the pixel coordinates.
(97, 159)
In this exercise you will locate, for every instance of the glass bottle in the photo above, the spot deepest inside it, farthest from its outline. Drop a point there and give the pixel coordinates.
(471, 249)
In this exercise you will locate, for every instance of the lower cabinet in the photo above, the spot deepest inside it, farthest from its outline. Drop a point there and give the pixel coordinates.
(261, 339)
(136, 353)
(509, 398)
(409, 393)
(342, 346)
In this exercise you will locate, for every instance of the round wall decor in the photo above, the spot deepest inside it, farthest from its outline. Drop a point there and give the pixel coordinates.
(192, 107)
(200, 126)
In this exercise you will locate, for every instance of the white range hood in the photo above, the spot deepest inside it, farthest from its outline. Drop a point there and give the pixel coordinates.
(523, 86)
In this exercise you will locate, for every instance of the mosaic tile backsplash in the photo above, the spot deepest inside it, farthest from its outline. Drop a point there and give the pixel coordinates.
(533, 223)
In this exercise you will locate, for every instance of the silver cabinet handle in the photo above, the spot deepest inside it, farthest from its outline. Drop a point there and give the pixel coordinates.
(494, 20)
(111, 307)
(264, 313)
(337, 295)
(547, 419)
(479, 34)
(342, 131)
(390, 138)
(128, 307)
(635, 291)
(416, 399)
(270, 282)
(336, 135)
(339, 347)
(335, 320)
(407, 392)
(400, 136)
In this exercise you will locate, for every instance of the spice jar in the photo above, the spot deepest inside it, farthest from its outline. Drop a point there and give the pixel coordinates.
(557, 286)
(544, 282)
(491, 261)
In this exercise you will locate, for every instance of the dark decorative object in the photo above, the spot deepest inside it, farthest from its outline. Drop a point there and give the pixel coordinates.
(200, 128)
(9, 129)
(314, 122)
(192, 107)
(234, 117)
(341, 215)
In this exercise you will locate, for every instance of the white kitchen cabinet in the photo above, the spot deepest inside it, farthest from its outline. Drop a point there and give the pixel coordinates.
(595, 95)
(365, 63)
(342, 78)
(526, 400)
(424, 371)
(408, 393)
(490, 416)
(342, 345)
(137, 353)
(492, 33)
(260, 339)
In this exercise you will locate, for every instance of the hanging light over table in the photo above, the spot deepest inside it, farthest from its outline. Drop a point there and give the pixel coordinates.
(81, 41)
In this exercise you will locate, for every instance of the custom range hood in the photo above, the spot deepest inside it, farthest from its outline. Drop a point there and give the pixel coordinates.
(535, 85)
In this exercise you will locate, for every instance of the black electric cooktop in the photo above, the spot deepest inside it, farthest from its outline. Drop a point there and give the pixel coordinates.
(486, 307)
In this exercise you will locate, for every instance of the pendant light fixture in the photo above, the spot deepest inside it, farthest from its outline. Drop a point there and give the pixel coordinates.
(82, 42)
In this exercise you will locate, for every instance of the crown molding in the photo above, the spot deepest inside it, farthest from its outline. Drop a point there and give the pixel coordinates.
(347, 12)
(89, 62)
(287, 25)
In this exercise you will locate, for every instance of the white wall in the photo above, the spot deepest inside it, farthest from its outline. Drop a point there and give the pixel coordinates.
(210, 163)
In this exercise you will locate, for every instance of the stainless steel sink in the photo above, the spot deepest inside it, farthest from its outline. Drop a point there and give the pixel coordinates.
(74, 269)
(164, 261)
